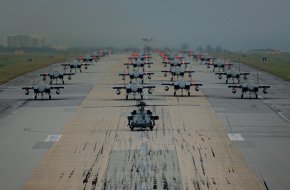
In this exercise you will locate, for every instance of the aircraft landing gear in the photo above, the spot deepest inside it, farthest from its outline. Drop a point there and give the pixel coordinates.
(49, 96)
(174, 93)
(256, 95)
(188, 93)
(35, 96)
(127, 97)
(242, 95)
(62, 81)
(50, 82)
(151, 128)
(132, 128)
(141, 96)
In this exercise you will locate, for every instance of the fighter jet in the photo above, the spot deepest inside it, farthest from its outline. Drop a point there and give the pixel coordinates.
(171, 57)
(75, 65)
(203, 57)
(220, 64)
(142, 118)
(175, 62)
(42, 88)
(55, 75)
(144, 57)
(182, 85)
(138, 64)
(87, 58)
(232, 74)
(250, 87)
(176, 72)
(134, 88)
(95, 56)
(135, 74)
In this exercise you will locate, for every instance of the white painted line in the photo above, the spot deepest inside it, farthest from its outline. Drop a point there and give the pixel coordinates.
(283, 116)
(235, 137)
(52, 138)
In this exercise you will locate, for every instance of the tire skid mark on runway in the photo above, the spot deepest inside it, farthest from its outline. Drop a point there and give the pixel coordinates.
(9, 113)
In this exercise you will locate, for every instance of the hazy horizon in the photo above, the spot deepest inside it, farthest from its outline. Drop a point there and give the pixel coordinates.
(247, 24)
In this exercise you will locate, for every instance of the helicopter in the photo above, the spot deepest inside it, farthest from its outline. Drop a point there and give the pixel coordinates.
(142, 118)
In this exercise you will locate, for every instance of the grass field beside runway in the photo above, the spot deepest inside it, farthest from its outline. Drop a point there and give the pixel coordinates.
(12, 66)
(276, 64)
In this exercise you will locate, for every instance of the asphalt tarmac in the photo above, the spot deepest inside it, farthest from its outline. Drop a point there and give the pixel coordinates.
(79, 140)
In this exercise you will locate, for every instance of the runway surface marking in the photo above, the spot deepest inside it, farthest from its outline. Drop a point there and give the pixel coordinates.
(52, 138)
(236, 137)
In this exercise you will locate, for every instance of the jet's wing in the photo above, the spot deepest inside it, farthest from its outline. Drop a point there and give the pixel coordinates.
(244, 73)
(154, 117)
(123, 74)
(209, 63)
(220, 73)
(85, 64)
(189, 71)
(56, 87)
(149, 86)
(119, 87)
(235, 86)
(168, 83)
(264, 86)
(148, 73)
(148, 63)
(195, 84)
(228, 64)
(65, 64)
(44, 74)
(68, 74)
(28, 88)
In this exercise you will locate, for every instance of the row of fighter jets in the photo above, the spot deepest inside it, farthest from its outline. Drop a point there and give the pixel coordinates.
(58, 75)
(138, 73)
(226, 69)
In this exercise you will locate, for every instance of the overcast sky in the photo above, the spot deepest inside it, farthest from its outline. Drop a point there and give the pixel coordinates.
(232, 24)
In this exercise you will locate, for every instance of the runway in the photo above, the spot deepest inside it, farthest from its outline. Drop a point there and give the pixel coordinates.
(190, 147)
